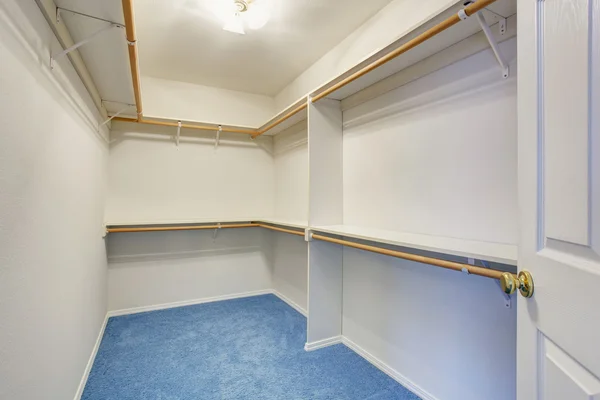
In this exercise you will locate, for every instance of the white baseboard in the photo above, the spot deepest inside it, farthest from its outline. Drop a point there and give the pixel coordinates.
(398, 377)
(90, 363)
(290, 303)
(319, 344)
(135, 310)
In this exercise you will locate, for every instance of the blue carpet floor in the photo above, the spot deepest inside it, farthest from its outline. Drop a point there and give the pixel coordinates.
(251, 348)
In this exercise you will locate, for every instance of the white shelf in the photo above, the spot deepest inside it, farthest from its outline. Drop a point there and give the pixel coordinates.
(488, 251)
(274, 221)
(180, 222)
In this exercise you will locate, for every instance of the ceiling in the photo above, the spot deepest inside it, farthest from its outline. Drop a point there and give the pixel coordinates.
(182, 40)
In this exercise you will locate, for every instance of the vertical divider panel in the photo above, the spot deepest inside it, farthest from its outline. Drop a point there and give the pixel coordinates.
(325, 208)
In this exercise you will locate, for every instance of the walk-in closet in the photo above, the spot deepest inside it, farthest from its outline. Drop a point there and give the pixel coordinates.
(268, 199)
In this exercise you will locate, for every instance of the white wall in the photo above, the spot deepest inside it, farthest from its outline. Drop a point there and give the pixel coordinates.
(153, 268)
(152, 180)
(190, 102)
(52, 188)
(445, 332)
(289, 262)
(436, 156)
(291, 173)
(393, 21)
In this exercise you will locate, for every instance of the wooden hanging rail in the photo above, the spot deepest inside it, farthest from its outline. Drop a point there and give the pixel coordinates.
(428, 34)
(281, 119)
(471, 269)
(179, 228)
(317, 95)
(133, 54)
(274, 228)
(201, 227)
(174, 124)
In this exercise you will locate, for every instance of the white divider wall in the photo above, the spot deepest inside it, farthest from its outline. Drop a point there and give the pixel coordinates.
(153, 180)
(436, 156)
(290, 256)
(325, 208)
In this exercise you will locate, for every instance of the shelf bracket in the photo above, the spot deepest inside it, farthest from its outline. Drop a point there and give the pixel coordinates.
(178, 133)
(66, 51)
(216, 231)
(493, 44)
(117, 114)
(218, 136)
(507, 298)
(308, 235)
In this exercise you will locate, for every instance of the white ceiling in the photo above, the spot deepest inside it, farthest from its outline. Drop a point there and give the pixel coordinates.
(182, 40)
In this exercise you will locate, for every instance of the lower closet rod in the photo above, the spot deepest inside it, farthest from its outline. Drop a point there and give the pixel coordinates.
(274, 228)
(179, 228)
(471, 269)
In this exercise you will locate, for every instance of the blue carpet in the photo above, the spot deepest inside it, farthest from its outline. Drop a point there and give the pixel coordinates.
(251, 348)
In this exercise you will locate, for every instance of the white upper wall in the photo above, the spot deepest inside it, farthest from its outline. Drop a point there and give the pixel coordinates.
(189, 102)
(152, 180)
(391, 23)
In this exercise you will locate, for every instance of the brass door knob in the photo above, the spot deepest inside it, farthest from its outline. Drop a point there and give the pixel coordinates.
(524, 283)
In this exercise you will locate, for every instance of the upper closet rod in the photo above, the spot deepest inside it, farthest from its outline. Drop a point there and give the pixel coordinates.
(428, 34)
(133, 54)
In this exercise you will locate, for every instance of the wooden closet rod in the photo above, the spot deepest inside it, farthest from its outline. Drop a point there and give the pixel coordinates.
(274, 228)
(471, 269)
(133, 54)
(179, 228)
(142, 120)
(428, 34)
(135, 74)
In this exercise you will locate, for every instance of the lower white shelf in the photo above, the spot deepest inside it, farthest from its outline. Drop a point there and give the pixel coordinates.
(488, 251)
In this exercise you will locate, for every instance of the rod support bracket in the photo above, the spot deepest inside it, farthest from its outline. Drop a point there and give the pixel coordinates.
(178, 133)
(216, 231)
(219, 130)
(308, 235)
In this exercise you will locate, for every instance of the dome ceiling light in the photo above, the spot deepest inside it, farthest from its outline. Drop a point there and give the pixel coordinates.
(236, 14)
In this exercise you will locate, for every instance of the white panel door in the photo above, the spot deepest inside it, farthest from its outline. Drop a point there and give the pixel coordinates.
(559, 199)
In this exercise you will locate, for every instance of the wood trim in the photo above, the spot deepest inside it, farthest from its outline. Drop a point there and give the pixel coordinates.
(473, 270)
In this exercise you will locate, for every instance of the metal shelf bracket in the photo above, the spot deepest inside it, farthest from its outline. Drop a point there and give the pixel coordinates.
(218, 136)
(178, 133)
(66, 51)
(493, 44)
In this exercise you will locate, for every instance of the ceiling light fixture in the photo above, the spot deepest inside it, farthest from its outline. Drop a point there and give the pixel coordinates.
(236, 13)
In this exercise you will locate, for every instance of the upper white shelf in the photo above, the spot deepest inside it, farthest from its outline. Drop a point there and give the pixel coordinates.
(488, 251)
